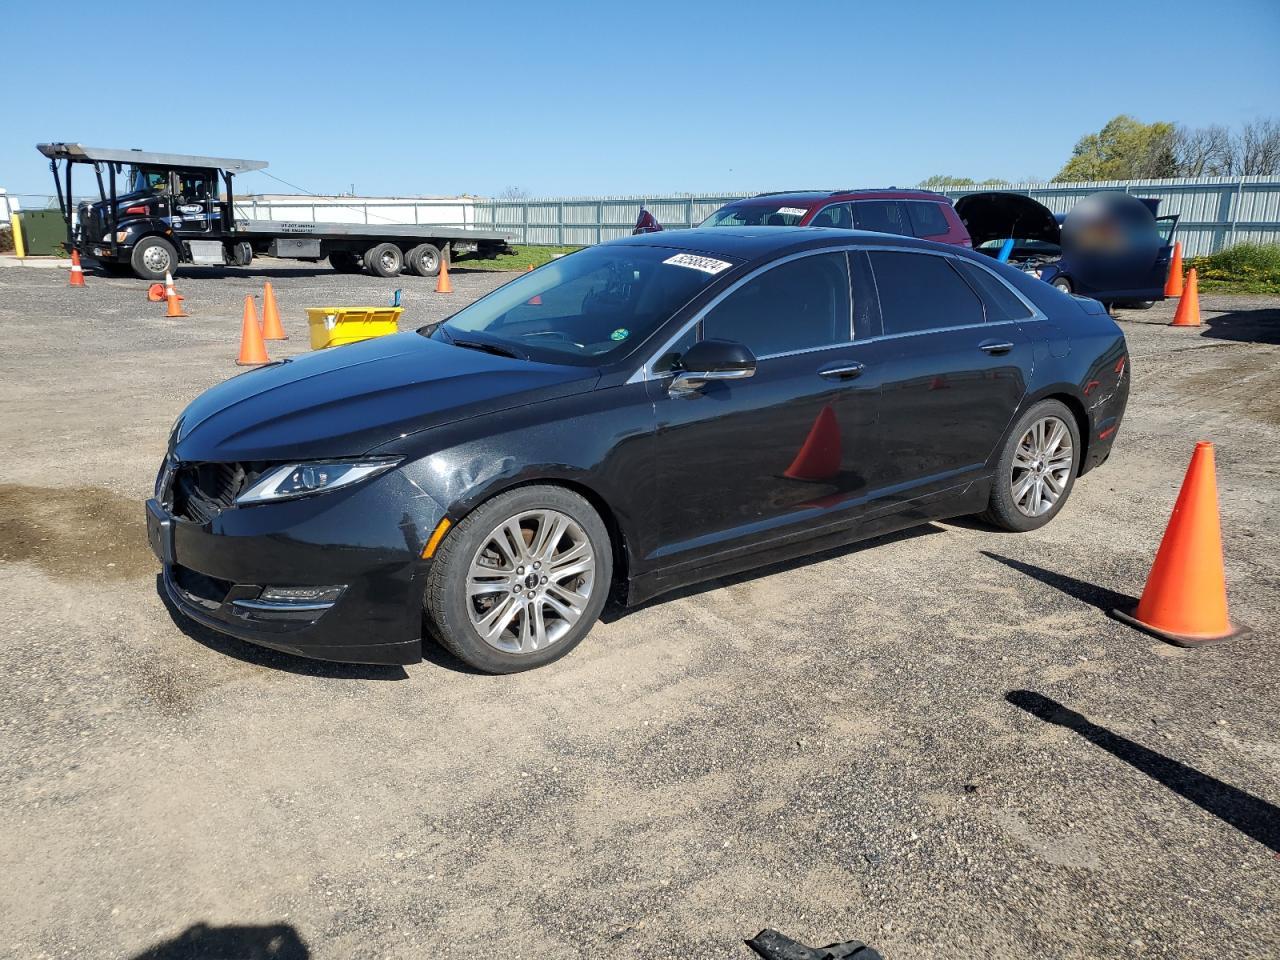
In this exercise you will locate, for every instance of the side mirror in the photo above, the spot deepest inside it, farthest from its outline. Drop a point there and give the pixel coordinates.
(710, 360)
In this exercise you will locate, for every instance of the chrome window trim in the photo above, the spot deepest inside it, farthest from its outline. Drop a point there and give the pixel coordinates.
(646, 372)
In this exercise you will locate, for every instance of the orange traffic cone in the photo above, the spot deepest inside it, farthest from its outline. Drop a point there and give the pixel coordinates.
(1185, 600)
(939, 383)
(1173, 285)
(529, 268)
(155, 292)
(819, 458)
(77, 274)
(173, 302)
(1188, 313)
(252, 349)
(443, 283)
(271, 326)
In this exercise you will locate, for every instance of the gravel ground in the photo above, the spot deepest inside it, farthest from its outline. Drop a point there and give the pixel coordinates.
(937, 742)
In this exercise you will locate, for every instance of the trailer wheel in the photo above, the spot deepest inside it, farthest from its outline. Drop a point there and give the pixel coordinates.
(385, 260)
(153, 257)
(423, 260)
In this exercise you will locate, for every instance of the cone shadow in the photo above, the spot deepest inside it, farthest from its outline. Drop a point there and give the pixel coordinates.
(1082, 590)
(1252, 816)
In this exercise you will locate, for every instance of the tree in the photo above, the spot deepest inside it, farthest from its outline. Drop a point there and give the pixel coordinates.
(1204, 151)
(1257, 149)
(1124, 149)
(940, 181)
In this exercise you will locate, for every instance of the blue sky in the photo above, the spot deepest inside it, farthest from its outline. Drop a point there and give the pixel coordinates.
(640, 97)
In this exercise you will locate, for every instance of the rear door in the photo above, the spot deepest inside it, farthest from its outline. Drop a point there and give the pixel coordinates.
(955, 376)
(928, 222)
(793, 442)
(882, 216)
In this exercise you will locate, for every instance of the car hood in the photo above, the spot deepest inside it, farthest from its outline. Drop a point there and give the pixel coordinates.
(996, 215)
(344, 401)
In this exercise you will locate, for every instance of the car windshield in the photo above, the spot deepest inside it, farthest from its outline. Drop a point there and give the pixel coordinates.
(587, 308)
(779, 214)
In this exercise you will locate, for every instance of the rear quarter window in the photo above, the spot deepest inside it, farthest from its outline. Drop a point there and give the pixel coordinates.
(1000, 302)
(927, 218)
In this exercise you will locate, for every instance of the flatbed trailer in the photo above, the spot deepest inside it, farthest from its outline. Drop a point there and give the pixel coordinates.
(172, 212)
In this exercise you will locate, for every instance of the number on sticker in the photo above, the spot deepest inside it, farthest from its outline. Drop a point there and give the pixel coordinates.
(695, 262)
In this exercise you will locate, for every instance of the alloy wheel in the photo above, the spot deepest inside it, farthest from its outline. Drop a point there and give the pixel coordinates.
(1041, 467)
(530, 581)
(156, 259)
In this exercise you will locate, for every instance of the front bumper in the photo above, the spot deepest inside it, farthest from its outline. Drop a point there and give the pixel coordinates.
(214, 573)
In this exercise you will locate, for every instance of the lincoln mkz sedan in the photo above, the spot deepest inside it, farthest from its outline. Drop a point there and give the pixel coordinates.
(631, 418)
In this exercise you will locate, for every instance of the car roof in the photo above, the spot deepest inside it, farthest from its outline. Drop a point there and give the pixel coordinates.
(753, 243)
(811, 197)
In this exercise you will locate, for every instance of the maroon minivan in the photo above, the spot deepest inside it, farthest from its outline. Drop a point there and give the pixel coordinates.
(909, 213)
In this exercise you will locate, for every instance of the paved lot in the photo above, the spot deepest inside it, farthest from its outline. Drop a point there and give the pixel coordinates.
(857, 746)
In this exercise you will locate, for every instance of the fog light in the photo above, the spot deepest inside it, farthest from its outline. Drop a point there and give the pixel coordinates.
(301, 594)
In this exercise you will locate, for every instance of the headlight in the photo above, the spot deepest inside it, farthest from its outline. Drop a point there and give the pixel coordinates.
(303, 479)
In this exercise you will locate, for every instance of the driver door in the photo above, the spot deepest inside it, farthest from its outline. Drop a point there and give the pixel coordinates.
(765, 456)
(194, 202)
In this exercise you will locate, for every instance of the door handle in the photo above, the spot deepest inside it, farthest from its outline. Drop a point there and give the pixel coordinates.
(995, 346)
(845, 371)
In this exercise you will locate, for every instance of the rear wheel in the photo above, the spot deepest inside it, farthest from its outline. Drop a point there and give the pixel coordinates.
(1037, 468)
(344, 261)
(423, 260)
(521, 580)
(385, 260)
(153, 257)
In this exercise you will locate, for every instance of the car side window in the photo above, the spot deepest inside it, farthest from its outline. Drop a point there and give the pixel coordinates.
(1000, 302)
(927, 218)
(883, 216)
(797, 305)
(920, 291)
(836, 215)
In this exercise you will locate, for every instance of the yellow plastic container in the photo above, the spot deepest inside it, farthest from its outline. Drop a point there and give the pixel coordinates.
(334, 326)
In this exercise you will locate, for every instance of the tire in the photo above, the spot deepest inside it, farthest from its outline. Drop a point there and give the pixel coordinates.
(1063, 284)
(384, 260)
(455, 609)
(423, 260)
(344, 261)
(1007, 509)
(152, 257)
(1137, 304)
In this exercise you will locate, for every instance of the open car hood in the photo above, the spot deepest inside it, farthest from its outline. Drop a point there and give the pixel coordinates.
(997, 216)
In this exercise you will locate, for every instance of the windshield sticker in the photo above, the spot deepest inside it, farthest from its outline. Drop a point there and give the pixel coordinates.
(694, 262)
(620, 334)
(792, 211)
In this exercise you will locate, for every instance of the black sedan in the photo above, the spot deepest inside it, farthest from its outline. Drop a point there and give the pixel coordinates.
(628, 419)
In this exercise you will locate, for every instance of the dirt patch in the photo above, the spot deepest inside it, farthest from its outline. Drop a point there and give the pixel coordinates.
(74, 533)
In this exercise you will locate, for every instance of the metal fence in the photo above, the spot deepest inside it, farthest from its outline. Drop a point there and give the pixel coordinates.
(1216, 212)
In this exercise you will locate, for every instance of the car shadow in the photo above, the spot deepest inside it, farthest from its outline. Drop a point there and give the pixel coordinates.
(200, 941)
(272, 659)
(1244, 326)
(1082, 590)
(615, 611)
(1252, 816)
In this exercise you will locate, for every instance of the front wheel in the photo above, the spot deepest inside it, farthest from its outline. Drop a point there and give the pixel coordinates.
(1063, 284)
(152, 258)
(1036, 470)
(521, 580)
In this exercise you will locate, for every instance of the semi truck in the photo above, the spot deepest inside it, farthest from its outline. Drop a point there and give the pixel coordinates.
(159, 210)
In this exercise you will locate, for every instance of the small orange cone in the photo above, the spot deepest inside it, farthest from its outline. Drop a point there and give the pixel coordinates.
(443, 283)
(529, 269)
(1185, 600)
(77, 273)
(1173, 285)
(1188, 313)
(819, 458)
(252, 349)
(271, 326)
(155, 292)
(939, 383)
(173, 302)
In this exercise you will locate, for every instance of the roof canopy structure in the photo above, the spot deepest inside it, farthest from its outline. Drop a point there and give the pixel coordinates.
(78, 153)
